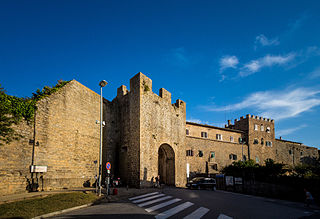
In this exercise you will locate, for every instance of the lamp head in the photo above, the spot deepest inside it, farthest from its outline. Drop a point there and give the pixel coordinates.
(103, 83)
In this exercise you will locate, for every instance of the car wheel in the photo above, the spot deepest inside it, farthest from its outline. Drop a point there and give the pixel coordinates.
(199, 187)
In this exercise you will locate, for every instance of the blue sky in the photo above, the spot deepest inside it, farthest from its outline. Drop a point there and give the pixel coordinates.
(224, 58)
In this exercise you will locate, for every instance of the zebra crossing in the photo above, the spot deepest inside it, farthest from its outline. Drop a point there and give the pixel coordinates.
(155, 201)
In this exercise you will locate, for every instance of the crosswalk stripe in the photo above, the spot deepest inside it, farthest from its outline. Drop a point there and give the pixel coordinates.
(142, 196)
(156, 207)
(197, 213)
(154, 201)
(174, 210)
(222, 216)
(148, 198)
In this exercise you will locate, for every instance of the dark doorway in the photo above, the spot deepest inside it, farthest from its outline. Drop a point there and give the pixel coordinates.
(166, 165)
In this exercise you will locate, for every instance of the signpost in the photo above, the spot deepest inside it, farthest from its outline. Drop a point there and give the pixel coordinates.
(108, 167)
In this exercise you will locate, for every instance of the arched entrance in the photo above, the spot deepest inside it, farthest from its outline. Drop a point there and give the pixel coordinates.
(166, 164)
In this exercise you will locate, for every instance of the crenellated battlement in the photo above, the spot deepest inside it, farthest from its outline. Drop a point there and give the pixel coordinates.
(166, 95)
(249, 116)
(122, 91)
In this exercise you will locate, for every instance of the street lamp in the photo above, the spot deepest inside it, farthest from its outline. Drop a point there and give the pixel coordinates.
(102, 84)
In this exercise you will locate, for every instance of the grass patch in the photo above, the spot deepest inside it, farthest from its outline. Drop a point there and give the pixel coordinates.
(38, 206)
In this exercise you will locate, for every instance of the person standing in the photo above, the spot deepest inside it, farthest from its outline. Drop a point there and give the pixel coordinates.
(309, 198)
(157, 181)
(152, 182)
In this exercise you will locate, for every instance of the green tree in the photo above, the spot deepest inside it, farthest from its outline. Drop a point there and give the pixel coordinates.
(14, 109)
(7, 134)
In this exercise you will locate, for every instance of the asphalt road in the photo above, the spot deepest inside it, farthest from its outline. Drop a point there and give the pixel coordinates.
(180, 203)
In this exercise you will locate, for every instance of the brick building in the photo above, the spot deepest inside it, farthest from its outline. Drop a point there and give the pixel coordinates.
(145, 135)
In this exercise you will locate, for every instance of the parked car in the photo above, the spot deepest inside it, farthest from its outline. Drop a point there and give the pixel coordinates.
(202, 183)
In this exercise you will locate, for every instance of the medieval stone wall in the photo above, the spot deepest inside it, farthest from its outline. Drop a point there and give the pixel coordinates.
(68, 142)
(293, 153)
(15, 161)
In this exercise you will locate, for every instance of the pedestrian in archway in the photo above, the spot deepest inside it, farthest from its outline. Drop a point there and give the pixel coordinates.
(157, 181)
(152, 182)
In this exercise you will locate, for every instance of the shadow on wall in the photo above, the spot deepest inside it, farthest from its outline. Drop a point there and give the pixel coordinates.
(87, 183)
(309, 160)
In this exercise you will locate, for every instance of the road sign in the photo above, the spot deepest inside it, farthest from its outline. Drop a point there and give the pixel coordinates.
(108, 165)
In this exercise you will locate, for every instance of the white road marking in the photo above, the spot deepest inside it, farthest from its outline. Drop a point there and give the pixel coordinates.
(197, 213)
(174, 210)
(148, 198)
(156, 207)
(222, 216)
(142, 196)
(154, 201)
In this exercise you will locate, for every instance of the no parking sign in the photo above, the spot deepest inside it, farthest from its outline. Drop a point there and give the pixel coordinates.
(108, 166)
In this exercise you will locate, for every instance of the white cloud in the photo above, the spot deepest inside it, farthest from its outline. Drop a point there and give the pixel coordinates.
(264, 41)
(284, 132)
(179, 55)
(197, 121)
(277, 104)
(315, 74)
(266, 61)
(228, 62)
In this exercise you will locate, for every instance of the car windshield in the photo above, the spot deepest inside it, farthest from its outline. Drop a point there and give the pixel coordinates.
(197, 179)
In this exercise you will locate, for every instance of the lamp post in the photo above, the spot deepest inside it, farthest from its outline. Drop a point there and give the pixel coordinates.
(102, 84)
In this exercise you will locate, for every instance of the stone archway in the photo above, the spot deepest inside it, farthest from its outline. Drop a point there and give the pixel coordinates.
(166, 164)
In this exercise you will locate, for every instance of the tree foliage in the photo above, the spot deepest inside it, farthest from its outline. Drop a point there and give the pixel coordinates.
(14, 109)
(249, 169)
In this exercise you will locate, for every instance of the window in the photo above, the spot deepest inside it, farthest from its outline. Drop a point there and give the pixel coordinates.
(189, 152)
(262, 141)
(257, 159)
(261, 128)
(200, 153)
(290, 151)
(214, 166)
(301, 153)
(231, 139)
(187, 132)
(269, 143)
(232, 156)
(268, 129)
(255, 127)
(204, 134)
(244, 157)
(212, 154)
(255, 141)
(219, 137)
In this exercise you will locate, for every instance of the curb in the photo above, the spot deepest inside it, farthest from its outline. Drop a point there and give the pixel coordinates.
(62, 211)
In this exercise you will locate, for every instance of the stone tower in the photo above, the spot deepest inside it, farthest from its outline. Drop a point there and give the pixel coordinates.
(260, 136)
(150, 134)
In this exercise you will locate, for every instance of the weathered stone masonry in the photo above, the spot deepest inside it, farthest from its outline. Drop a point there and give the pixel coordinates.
(66, 141)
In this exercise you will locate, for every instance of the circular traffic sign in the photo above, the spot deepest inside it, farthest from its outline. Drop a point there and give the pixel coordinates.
(108, 165)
